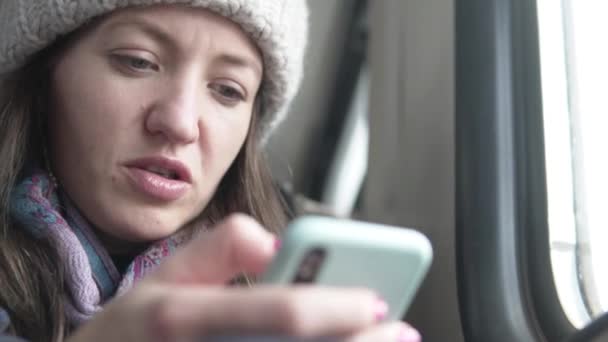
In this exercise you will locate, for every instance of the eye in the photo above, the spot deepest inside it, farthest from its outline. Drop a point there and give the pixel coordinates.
(135, 63)
(228, 93)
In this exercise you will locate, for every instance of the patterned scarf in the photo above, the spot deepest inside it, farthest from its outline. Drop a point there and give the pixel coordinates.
(90, 274)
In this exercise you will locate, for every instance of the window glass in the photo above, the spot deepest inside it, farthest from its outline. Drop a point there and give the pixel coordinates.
(574, 67)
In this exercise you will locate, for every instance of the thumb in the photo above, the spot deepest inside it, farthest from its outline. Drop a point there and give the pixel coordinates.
(236, 245)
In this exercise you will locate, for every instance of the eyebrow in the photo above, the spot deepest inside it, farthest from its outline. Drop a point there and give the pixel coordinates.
(165, 38)
(237, 61)
(148, 28)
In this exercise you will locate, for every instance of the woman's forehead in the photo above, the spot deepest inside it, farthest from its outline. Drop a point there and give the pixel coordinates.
(175, 25)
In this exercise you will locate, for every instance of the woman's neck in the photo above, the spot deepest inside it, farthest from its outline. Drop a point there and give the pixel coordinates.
(120, 247)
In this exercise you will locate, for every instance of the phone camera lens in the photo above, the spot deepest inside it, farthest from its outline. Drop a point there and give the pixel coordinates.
(310, 266)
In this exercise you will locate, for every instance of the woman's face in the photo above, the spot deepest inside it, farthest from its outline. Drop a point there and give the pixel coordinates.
(149, 109)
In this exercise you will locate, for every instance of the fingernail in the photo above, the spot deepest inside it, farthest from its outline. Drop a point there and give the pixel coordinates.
(277, 244)
(380, 310)
(409, 334)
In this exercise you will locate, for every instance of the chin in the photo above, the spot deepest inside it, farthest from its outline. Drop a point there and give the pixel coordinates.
(141, 223)
(140, 231)
(152, 232)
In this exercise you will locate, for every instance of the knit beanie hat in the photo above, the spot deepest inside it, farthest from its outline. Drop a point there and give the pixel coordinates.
(278, 27)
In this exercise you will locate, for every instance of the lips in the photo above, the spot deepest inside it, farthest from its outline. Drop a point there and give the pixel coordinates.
(160, 178)
(166, 167)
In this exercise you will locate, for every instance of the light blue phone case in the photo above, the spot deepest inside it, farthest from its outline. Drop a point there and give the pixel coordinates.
(390, 260)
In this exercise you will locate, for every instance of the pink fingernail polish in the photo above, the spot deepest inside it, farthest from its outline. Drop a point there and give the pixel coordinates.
(380, 310)
(409, 334)
(277, 244)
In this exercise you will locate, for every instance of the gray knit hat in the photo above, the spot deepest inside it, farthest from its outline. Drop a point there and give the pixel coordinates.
(278, 27)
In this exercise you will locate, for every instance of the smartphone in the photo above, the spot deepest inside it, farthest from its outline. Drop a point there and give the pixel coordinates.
(390, 260)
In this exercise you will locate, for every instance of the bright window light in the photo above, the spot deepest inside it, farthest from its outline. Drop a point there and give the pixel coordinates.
(574, 68)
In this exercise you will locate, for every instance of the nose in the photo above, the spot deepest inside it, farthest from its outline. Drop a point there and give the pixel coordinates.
(176, 113)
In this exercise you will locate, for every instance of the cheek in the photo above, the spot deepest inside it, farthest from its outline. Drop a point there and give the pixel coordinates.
(91, 125)
(76, 128)
(89, 107)
(226, 140)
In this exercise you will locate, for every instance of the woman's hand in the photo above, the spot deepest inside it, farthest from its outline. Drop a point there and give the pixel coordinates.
(186, 298)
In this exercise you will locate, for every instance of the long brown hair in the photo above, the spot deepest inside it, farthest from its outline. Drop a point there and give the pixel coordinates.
(31, 274)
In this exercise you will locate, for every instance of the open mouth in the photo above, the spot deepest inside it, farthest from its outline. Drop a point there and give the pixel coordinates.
(167, 168)
(166, 173)
(159, 177)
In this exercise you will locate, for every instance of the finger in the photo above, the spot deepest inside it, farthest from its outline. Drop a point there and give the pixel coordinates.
(389, 332)
(305, 312)
(236, 245)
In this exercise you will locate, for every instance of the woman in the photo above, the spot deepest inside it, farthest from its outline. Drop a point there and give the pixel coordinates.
(131, 135)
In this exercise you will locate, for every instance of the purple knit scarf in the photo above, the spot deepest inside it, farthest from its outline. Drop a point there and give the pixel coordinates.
(90, 274)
